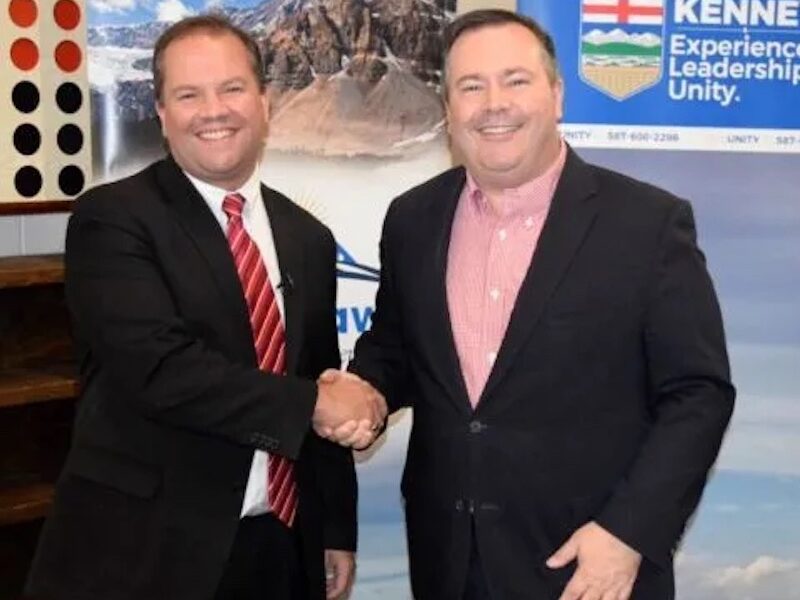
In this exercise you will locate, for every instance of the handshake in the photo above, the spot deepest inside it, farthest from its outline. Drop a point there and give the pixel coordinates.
(349, 411)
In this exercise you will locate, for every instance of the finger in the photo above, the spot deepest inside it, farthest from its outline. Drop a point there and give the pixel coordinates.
(329, 376)
(344, 431)
(591, 593)
(626, 591)
(612, 593)
(363, 435)
(339, 570)
(384, 408)
(564, 555)
(324, 431)
(575, 588)
(365, 442)
(337, 584)
(374, 406)
(380, 401)
(331, 578)
(358, 438)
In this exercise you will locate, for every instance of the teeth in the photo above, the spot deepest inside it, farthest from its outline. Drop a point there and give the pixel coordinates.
(215, 134)
(497, 129)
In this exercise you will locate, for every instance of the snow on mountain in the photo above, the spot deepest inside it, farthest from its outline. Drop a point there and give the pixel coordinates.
(597, 36)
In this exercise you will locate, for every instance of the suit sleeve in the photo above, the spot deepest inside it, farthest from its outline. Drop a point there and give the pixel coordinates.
(690, 393)
(380, 355)
(335, 467)
(125, 316)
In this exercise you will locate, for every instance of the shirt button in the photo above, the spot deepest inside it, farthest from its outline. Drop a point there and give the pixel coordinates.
(503, 234)
(495, 294)
(528, 222)
(491, 357)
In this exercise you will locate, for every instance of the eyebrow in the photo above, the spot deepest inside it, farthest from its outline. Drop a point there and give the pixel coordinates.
(190, 88)
(506, 73)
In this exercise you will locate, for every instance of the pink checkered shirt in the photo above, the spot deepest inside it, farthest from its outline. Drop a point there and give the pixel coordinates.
(489, 256)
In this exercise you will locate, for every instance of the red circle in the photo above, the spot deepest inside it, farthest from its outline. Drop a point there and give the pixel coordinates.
(68, 56)
(23, 12)
(24, 54)
(67, 14)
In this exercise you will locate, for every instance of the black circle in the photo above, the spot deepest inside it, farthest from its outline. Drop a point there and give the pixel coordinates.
(69, 97)
(28, 181)
(70, 139)
(27, 139)
(25, 96)
(71, 180)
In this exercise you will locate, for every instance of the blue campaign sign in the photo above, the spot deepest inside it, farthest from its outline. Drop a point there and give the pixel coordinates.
(701, 74)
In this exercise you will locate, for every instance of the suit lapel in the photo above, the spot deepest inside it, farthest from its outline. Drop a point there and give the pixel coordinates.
(433, 283)
(289, 248)
(209, 239)
(570, 217)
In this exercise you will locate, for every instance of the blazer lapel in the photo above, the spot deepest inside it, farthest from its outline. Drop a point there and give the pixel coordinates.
(209, 239)
(289, 249)
(433, 283)
(571, 215)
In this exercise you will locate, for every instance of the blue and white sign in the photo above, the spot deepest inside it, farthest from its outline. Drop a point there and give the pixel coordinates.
(678, 74)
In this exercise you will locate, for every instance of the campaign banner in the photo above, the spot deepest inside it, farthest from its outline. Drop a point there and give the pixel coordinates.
(678, 74)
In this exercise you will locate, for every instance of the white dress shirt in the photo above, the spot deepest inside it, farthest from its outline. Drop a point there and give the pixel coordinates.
(256, 222)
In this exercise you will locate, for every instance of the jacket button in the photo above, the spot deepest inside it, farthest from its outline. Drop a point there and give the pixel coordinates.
(476, 426)
(459, 505)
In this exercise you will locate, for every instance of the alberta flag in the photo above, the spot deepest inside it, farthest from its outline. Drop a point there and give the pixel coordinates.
(634, 12)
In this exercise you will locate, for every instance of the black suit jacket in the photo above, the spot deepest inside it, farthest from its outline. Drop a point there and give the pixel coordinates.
(173, 404)
(607, 401)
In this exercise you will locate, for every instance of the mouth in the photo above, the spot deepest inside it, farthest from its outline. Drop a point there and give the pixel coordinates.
(498, 131)
(216, 134)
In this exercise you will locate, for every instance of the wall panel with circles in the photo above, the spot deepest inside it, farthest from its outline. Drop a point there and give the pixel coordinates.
(45, 138)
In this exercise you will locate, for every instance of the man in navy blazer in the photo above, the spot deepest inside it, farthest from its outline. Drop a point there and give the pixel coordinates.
(570, 467)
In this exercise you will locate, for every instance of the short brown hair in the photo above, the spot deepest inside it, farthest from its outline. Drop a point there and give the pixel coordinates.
(478, 19)
(211, 24)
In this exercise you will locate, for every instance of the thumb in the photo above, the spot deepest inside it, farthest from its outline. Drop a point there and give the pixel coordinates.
(329, 376)
(564, 555)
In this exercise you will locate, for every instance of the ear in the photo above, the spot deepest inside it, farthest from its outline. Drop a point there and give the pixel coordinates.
(265, 103)
(160, 113)
(558, 92)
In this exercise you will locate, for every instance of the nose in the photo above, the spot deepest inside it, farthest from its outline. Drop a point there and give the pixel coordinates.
(213, 105)
(496, 97)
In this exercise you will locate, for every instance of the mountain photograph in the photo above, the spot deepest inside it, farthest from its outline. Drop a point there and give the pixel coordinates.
(345, 77)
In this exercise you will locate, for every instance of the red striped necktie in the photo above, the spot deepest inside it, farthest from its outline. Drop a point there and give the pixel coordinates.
(270, 342)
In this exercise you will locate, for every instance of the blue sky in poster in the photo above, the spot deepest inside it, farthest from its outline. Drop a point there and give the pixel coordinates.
(742, 89)
(123, 12)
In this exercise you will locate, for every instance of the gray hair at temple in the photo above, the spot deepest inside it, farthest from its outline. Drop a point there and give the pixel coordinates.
(491, 17)
(209, 24)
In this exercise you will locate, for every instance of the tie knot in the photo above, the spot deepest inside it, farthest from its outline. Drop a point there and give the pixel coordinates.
(232, 205)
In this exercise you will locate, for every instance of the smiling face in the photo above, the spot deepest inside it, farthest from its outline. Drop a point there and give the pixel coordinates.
(503, 105)
(213, 111)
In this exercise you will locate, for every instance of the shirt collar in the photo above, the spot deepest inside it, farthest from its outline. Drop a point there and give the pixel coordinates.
(531, 197)
(250, 190)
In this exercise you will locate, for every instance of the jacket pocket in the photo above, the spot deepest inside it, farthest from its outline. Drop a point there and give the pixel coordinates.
(114, 470)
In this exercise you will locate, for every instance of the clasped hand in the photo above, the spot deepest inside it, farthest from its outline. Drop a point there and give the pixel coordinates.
(349, 410)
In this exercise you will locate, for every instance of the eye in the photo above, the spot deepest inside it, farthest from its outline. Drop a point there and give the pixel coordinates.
(234, 88)
(184, 96)
(470, 87)
(518, 81)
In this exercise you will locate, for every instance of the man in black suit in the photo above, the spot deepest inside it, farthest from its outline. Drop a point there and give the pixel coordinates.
(203, 306)
(555, 330)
